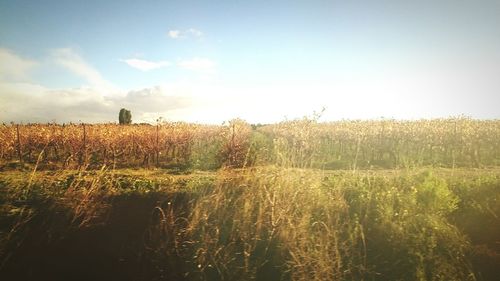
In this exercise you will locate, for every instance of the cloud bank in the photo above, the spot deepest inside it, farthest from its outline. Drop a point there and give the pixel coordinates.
(73, 62)
(13, 67)
(84, 104)
(98, 101)
(398, 90)
(184, 34)
(145, 65)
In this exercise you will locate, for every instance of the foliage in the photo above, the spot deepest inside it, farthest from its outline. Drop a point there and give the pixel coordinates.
(408, 217)
(453, 142)
(275, 223)
(274, 209)
(303, 143)
(236, 140)
(125, 117)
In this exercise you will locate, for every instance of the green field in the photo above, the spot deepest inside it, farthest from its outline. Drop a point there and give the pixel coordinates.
(293, 201)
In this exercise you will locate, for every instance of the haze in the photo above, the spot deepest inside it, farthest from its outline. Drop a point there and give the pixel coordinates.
(263, 61)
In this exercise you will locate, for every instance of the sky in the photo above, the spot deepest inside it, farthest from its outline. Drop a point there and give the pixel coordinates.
(262, 61)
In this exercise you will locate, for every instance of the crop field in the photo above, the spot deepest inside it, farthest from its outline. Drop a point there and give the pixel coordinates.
(296, 200)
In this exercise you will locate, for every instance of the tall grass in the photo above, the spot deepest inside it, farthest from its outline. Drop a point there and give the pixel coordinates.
(292, 224)
(273, 223)
(268, 222)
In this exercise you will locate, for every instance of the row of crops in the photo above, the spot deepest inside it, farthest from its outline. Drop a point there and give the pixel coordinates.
(304, 143)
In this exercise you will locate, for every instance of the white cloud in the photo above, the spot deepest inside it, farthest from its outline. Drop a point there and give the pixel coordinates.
(183, 34)
(397, 90)
(198, 64)
(194, 32)
(73, 62)
(13, 67)
(174, 34)
(145, 65)
(25, 102)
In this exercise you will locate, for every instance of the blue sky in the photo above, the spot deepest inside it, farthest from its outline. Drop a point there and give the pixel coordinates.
(210, 61)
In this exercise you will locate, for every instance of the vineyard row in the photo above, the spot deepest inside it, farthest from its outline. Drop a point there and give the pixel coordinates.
(300, 143)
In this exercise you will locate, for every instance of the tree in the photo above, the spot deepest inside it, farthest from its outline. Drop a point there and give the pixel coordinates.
(125, 117)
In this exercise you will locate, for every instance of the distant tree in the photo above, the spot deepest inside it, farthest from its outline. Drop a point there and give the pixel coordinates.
(125, 116)
(128, 117)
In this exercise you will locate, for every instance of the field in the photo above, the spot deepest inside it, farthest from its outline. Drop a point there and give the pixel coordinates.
(296, 200)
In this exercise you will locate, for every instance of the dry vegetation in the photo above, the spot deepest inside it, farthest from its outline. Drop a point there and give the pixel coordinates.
(298, 200)
(457, 142)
